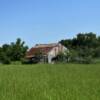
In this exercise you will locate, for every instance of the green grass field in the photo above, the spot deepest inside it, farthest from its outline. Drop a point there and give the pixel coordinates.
(50, 82)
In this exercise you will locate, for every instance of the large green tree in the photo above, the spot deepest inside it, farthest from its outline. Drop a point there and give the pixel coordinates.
(87, 45)
(18, 49)
(13, 52)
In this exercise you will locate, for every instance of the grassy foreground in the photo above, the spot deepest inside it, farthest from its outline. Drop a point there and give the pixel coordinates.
(50, 82)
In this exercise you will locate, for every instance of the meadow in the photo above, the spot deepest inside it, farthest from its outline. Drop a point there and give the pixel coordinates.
(50, 82)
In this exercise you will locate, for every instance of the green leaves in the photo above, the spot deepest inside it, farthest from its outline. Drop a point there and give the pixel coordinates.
(84, 45)
(14, 51)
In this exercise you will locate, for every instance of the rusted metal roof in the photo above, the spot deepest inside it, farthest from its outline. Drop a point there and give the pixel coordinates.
(35, 50)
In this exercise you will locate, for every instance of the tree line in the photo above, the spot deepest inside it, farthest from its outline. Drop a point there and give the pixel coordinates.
(83, 48)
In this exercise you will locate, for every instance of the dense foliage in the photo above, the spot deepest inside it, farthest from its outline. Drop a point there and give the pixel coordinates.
(84, 47)
(12, 52)
(81, 49)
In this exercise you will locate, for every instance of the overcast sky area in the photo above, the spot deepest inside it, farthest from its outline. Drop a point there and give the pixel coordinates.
(47, 21)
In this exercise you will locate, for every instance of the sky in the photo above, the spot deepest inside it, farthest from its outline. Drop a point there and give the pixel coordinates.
(47, 21)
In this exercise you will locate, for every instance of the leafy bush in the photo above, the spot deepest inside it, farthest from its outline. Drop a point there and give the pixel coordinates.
(61, 57)
(88, 60)
(82, 60)
(6, 61)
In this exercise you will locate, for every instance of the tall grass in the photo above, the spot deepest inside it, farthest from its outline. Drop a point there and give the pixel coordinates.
(50, 82)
